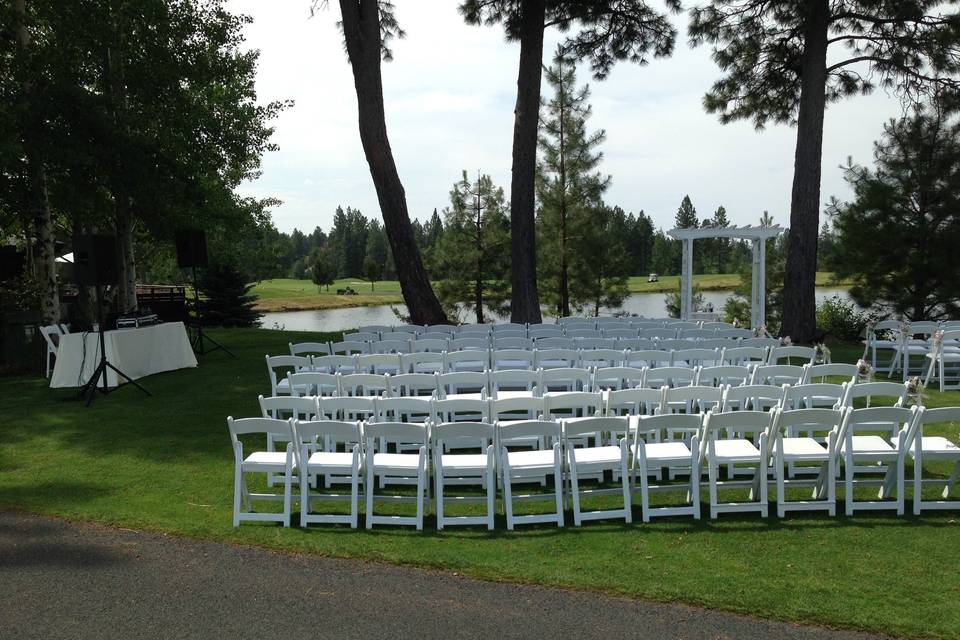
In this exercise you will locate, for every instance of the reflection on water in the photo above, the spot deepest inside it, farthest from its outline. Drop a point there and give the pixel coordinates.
(642, 304)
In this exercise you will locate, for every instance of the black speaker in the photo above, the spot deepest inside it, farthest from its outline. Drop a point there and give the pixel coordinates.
(191, 248)
(12, 262)
(95, 260)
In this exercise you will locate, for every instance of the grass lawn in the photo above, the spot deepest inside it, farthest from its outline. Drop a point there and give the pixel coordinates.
(163, 463)
(287, 294)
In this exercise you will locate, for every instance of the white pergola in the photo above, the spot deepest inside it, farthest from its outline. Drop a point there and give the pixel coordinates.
(758, 237)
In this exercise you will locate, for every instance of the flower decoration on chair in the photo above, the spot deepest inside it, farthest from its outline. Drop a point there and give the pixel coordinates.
(761, 331)
(822, 354)
(914, 391)
(787, 341)
(864, 371)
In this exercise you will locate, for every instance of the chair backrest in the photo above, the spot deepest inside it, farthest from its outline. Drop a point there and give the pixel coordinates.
(431, 345)
(361, 336)
(65, 328)
(778, 374)
(515, 408)
(564, 379)
(469, 344)
(656, 377)
(564, 404)
(379, 363)
(279, 366)
(669, 426)
(553, 358)
(413, 384)
(620, 332)
(332, 364)
(939, 415)
(364, 384)
(51, 334)
(661, 333)
(813, 395)
(745, 355)
(462, 382)
(634, 402)
(617, 377)
(347, 407)
(390, 346)
(922, 329)
(760, 342)
(285, 407)
(695, 357)
(374, 328)
(602, 358)
(511, 359)
(422, 362)
(309, 348)
(508, 326)
(895, 391)
(696, 334)
(261, 426)
(470, 360)
(886, 420)
(556, 343)
(460, 435)
(313, 383)
(583, 333)
(508, 431)
(817, 372)
(512, 343)
(461, 409)
(513, 380)
(755, 423)
(409, 409)
(399, 336)
(648, 358)
(595, 344)
(683, 324)
(540, 334)
(513, 334)
(408, 433)
(439, 328)
(677, 345)
(792, 354)
(692, 399)
(734, 333)
(474, 330)
(635, 344)
(732, 375)
(573, 430)
(348, 348)
(752, 397)
(308, 431)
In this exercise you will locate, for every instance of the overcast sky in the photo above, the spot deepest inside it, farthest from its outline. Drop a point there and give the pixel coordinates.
(449, 98)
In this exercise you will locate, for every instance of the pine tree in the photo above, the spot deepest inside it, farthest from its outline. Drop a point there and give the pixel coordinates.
(473, 259)
(600, 266)
(226, 297)
(720, 244)
(568, 186)
(686, 215)
(784, 61)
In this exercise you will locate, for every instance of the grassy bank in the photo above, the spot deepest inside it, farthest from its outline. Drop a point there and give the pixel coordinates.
(163, 463)
(286, 294)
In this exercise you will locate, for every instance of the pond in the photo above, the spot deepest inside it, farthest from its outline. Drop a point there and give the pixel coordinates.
(645, 304)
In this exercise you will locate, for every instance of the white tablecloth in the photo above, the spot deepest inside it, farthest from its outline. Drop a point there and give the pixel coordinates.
(137, 352)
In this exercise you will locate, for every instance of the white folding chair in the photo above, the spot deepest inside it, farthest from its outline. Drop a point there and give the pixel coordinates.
(937, 450)
(715, 450)
(410, 466)
(805, 355)
(528, 466)
(469, 465)
(267, 462)
(657, 377)
(564, 379)
(745, 356)
(615, 378)
(466, 360)
(463, 384)
(368, 385)
(328, 463)
(883, 336)
(732, 375)
(279, 366)
(819, 372)
(594, 461)
(692, 399)
(422, 362)
(572, 404)
(875, 459)
(556, 358)
(286, 408)
(512, 383)
(778, 374)
(675, 455)
(915, 342)
(413, 384)
(461, 410)
(414, 409)
(511, 359)
(894, 393)
(753, 397)
(313, 383)
(943, 352)
(818, 448)
(309, 348)
(379, 363)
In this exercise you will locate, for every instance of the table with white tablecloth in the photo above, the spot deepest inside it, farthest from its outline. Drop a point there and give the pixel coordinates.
(136, 352)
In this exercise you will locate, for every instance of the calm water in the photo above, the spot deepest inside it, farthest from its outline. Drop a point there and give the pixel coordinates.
(644, 304)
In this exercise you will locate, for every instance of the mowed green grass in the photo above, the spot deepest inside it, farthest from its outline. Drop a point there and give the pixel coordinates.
(164, 463)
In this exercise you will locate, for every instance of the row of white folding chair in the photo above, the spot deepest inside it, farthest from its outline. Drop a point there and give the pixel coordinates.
(944, 352)
(908, 342)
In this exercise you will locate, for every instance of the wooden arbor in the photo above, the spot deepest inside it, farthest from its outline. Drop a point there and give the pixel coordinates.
(758, 237)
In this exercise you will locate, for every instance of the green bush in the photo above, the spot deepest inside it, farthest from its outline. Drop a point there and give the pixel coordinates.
(841, 319)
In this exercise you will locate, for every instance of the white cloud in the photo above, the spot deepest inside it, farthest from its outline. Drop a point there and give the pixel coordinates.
(449, 98)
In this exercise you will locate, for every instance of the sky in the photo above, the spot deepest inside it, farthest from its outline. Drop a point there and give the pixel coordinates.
(449, 96)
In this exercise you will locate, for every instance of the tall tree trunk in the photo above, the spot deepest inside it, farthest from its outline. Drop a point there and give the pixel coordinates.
(525, 306)
(478, 244)
(127, 294)
(564, 310)
(799, 291)
(44, 256)
(361, 29)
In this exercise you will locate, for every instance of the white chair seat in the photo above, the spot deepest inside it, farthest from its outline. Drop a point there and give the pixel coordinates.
(596, 455)
(463, 396)
(937, 445)
(541, 459)
(736, 451)
(870, 445)
(800, 449)
(453, 462)
(513, 394)
(331, 460)
(266, 461)
(948, 355)
(666, 452)
(404, 461)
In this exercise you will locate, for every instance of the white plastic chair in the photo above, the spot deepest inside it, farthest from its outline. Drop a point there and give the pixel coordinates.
(466, 360)
(427, 345)
(745, 356)
(267, 462)
(935, 449)
(778, 374)
(732, 375)
(941, 354)
(309, 348)
(675, 455)
(413, 384)
(51, 335)
(464, 467)
(407, 466)
(422, 362)
(753, 397)
(501, 359)
(657, 377)
(512, 383)
(369, 385)
(615, 378)
(286, 408)
(805, 355)
(462, 384)
(334, 363)
(556, 358)
(692, 399)
(594, 461)
(818, 447)
(313, 383)
(883, 336)
(461, 410)
(564, 379)
(379, 363)
(348, 464)
(279, 366)
(914, 342)
(716, 451)
(818, 372)
(531, 466)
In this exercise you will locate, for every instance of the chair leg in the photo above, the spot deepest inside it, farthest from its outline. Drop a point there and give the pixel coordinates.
(304, 496)
(574, 491)
(900, 483)
(287, 495)
(848, 484)
(368, 494)
(781, 491)
(627, 497)
(354, 495)
(917, 477)
(491, 497)
(508, 499)
(644, 488)
(237, 491)
(421, 493)
(558, 488)
(712, 476)
(438, 492)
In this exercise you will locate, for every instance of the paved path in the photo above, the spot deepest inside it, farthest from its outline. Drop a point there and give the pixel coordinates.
(60, 580)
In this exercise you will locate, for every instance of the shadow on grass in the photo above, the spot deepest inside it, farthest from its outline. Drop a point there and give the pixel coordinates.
(30, 542)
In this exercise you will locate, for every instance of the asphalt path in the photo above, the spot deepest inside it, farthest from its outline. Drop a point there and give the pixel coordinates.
(62, 580)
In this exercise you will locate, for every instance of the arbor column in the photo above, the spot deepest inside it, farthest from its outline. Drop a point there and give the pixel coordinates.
(686, 280)
(758, 295)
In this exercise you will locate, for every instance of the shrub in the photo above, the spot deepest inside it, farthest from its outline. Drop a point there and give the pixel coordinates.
(841, 319)
(227, 300)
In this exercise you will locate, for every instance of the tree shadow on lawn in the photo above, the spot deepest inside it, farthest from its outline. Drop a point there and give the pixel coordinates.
(29, 542)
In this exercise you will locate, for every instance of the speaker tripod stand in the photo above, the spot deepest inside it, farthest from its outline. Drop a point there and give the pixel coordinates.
(197, 342)
(92, 386)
